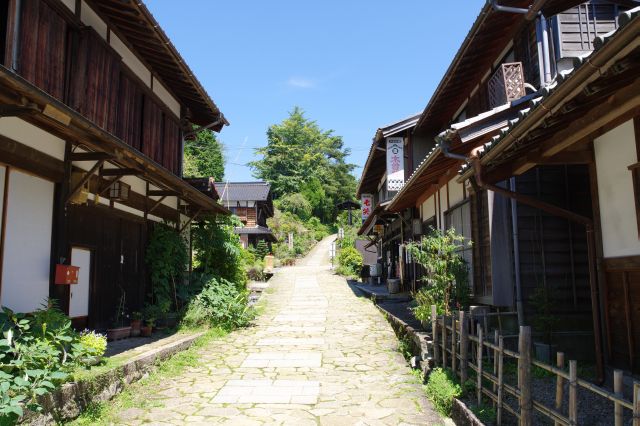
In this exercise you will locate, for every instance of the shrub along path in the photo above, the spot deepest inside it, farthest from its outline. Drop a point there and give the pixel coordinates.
(317, 355)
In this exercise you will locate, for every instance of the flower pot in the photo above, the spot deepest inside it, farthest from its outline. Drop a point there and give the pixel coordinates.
(118, 333)
(146, 331)
(393, 285)
(135, 327)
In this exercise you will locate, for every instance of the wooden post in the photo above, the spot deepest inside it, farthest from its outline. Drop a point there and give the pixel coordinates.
(434, 334)
(636, 404)
(495, 362)
(617, 388)
(500, 379)
(524, 375)
(559, 383)
(444, 340)
(464, 346)
(453, 345)
(479, 385)
(573, 392)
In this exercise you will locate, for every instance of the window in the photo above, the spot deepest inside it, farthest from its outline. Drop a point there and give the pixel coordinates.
(459, 218)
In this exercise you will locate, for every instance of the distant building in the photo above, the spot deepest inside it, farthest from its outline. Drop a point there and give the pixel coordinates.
(253, 204)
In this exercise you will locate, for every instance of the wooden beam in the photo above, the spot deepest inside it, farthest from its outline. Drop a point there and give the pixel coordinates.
(84, 180)
(16, 111)
(163, 193)
(191, 219)
(110, 184)
(156, 205)
(120, 172)
(91, 156)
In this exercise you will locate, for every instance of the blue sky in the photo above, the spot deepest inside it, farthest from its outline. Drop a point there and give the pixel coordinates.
(352, 65)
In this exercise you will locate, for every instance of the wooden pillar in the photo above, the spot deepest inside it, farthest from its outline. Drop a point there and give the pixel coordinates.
(444, 340)
(636, 404)
(479, 385)
(500, 379)
(559, 383)
(618, 410)
(573, 392)
(464, 347)
(524, 376)
(434, 334)
(453, 345)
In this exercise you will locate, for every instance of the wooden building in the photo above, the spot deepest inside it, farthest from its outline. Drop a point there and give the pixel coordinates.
(527, 212)
(95, 103)
(252, 203)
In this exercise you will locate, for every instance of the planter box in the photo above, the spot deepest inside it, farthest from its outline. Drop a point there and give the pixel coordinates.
(118, 333)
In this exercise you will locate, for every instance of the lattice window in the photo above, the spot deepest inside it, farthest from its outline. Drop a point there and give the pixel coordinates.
(506, 84)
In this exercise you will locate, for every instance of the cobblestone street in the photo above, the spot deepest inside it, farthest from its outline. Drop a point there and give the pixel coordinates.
(317, 355)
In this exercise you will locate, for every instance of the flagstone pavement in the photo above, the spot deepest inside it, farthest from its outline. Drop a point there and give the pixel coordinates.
(318, 355)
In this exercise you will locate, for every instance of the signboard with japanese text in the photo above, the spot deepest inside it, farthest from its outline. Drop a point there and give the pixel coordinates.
(395, 164)
(367, 206)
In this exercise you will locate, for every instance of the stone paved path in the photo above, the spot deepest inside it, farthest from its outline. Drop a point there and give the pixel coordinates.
(319, 355)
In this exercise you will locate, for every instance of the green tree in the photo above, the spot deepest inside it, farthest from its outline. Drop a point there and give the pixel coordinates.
(301, 155)
(203, 156)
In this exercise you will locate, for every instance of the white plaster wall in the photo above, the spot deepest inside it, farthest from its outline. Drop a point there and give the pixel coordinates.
(3, 171)
(443, 205)
(428, 208)
(30, 135)
(166, 97)
(89, 17)
(131, 60)
(614, 152)
(27, 254)
(71, 4)
(456, 193)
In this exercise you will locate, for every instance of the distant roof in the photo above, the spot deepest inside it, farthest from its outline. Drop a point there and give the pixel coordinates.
(243, 191)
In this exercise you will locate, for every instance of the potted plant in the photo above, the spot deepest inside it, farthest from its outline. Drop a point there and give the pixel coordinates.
(147, 329)
(94, 346)
(136, 323)
(544, 323)
(119, 330)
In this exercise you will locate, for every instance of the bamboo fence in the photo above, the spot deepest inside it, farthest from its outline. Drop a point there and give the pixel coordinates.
(461, 344)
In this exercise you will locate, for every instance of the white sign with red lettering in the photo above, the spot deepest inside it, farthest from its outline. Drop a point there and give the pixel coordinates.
(395, 164)
(367, 206)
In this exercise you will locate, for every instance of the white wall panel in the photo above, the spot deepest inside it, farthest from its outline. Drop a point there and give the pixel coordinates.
(614, 152)
(428, 208)
(71, 4)
(131, 60)
(27, 254)
(30, 135)
(91, 18)
(456, 193)
(166, 97)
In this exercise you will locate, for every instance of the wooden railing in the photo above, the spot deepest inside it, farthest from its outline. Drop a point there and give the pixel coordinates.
(461, 344)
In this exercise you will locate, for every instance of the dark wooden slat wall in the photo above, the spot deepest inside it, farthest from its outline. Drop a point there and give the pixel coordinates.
(152, 130)
(172, 145)
(130, 104)
(43, 36)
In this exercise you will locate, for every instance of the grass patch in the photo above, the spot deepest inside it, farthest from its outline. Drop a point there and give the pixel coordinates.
(486, 414)
(135, 396)
(404, 347)
(441, 389)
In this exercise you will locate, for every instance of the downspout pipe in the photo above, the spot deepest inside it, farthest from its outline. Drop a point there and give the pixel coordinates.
(529, 13)
(555, 211)
(516, 254)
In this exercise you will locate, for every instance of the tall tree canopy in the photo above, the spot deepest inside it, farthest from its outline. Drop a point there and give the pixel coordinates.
(203, 156)
(300, 157)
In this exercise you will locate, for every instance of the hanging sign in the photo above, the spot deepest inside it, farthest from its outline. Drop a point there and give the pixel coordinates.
(367, 206)
(395, 164)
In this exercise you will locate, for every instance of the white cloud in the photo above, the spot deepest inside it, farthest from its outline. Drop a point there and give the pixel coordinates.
(301, 83)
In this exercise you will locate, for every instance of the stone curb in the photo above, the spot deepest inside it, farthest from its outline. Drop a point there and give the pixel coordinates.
(71, 399)
(460, 413)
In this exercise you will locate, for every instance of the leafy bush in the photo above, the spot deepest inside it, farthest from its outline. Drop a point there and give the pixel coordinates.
(349, 262)
(167, 256)
(441, 389)
(296, 204)
(219, 304)
(486, 414)
(217, 249)
(36, 354)
(256, 272)
(94, 343)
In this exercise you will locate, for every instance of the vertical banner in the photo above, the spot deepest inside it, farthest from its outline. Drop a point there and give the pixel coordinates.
(395, 164)
(367, 206)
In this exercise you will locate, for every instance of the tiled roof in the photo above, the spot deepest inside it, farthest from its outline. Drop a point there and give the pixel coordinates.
(536, 103)
(243, 191)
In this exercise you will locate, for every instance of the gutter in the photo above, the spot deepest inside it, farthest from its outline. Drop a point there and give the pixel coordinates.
(478, 181)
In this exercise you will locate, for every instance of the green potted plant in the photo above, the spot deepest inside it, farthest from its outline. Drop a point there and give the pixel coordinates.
(544, 323)
(94, 345)
(118, 329)
(136, 323)
(147, 328)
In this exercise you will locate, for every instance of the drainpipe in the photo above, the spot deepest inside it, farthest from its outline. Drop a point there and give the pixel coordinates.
(541, 33)
(516, 254)
(555, 211)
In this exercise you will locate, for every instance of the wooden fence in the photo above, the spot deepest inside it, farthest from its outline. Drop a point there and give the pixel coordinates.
(461, 344)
